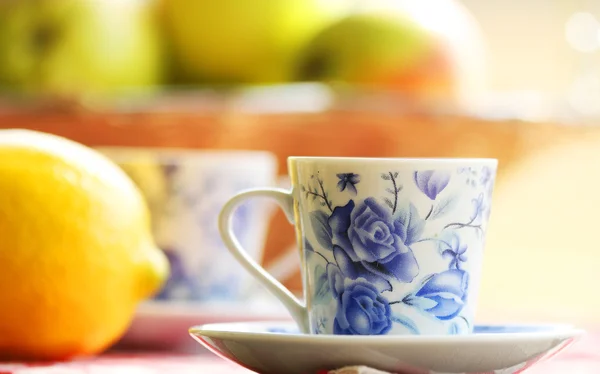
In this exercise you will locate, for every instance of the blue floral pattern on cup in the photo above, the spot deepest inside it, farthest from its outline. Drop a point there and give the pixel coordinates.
(367, 242)
(365, 248)
(362, 310)
(447, 291)
(431, 182)
(219, 278)
(184, 219)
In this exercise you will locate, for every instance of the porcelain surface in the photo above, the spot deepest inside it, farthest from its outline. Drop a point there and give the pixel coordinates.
(185, 191)
(277, 347)
(388, 246)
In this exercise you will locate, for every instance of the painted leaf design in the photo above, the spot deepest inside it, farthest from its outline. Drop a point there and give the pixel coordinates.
(444, 206)
(422, 303)
(412, 223)
(406, 322)
(322, 230)
(388, 202)
(322, 292)
(454, 329)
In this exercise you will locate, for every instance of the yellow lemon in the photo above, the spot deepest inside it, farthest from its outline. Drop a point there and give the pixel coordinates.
(76, 251)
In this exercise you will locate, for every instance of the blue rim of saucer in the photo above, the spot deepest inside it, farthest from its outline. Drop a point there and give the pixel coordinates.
(477, 329)
(285, 330)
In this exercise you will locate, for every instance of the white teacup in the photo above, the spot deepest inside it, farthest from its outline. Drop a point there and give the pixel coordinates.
(388, 246)
(185, 190)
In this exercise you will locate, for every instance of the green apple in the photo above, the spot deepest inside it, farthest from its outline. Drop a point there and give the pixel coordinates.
(73, 47)
(377, 50)
(426, 49)
(362, 46)
(242, 41)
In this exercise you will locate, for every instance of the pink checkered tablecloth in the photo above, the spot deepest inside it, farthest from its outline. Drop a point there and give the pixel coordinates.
(581, 358)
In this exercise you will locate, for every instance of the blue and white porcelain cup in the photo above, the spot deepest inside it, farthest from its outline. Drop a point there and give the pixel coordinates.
(185, 191)
(388, 246)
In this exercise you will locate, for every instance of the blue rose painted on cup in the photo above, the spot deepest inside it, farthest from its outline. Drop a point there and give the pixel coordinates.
(386, 249)
(447, 291)
(369, 243)
(362, 310)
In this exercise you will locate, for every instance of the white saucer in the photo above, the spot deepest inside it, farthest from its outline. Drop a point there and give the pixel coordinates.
(277, 347)
(164, 325)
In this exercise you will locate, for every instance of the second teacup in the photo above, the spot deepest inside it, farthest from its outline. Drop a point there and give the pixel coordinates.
(185, 190)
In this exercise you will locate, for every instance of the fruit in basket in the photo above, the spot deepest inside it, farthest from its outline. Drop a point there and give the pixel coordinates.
(427, 49)
(77, 47)
(378, 51)
(77, 254)
(241, 41)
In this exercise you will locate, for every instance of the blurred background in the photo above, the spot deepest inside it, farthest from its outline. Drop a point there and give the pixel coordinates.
(517, 81)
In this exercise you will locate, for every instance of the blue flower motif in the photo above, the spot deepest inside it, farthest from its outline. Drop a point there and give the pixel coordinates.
(368, 242)
(479, 208)
(486, 175)
(448, 290)
(432, 182)
(455, 250)
(362, 310)
(177, 276)
(348, 181)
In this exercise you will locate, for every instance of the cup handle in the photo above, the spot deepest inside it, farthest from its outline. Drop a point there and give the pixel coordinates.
(285, 200)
